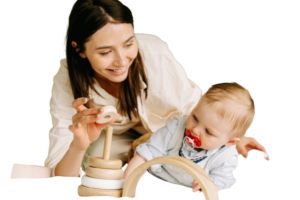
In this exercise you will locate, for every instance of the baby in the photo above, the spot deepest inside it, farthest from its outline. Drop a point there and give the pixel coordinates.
(207, 137)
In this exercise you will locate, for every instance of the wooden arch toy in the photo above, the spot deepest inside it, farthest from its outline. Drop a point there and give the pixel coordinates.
(204, 181)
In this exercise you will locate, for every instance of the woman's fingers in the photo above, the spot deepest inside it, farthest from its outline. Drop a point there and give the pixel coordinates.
(86, 119)
(75, 128)
(87, 113)
(78, 103)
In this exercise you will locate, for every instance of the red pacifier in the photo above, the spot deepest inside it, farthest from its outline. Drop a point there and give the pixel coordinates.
(192, 140)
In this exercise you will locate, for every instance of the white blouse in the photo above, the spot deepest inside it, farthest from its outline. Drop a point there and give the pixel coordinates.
(170, 94)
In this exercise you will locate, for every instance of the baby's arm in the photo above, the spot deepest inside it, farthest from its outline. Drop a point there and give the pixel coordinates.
(222, 176)
(136, 161)
(155, 147)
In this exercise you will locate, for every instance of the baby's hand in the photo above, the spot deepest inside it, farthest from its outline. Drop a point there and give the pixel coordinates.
(196, 186)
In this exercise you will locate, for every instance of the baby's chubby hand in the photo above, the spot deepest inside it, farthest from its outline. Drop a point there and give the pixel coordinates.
(196, 186)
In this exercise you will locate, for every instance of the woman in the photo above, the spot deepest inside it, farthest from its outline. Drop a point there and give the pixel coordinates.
(107, 64)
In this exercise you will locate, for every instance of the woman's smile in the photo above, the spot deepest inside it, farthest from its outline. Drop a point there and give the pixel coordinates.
(118, 71)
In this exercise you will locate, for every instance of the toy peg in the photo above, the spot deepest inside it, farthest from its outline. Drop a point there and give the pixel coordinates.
(107, 144)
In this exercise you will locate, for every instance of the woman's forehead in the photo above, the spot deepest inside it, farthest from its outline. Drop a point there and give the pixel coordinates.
(112, 34)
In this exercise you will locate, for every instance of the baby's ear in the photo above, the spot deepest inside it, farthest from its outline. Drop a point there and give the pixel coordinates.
(232, 141)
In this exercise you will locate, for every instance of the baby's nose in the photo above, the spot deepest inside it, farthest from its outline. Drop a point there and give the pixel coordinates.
(196, 134)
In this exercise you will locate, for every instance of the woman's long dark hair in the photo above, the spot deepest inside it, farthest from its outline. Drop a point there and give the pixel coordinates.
(87, 17)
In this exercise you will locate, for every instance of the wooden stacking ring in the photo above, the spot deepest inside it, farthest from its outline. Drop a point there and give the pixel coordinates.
(102, 183)
(112, 174)
(86, 191)
(99, 162)
(199, 174)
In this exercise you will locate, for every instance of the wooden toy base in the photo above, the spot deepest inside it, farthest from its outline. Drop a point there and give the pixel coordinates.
(86, 192)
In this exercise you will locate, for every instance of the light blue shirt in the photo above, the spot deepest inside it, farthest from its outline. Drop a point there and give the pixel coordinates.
(158, 145)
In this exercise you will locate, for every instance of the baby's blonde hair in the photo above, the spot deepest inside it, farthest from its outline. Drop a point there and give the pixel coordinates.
(233, 103)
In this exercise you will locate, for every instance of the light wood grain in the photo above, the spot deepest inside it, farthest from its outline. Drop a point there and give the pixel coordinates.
(86, 191)
(208, 187)
(107, 144)
(99, 162)
(112, 174)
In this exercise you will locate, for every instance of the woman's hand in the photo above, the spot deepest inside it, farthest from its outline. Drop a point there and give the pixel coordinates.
(84, 127)
(247, 144)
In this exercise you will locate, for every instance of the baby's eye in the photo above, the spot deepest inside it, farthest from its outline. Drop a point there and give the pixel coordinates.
(207, 132)
(195, 118)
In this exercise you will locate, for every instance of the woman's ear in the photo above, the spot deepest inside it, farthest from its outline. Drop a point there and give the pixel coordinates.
(232, 141)
(74, 45)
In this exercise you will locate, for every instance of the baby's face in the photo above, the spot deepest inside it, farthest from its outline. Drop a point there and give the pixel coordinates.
(205, 124)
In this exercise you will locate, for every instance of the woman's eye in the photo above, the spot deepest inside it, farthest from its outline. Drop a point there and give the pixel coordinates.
(105, 53)
(128, 45)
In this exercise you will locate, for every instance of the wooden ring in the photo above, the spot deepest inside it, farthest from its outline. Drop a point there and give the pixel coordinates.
(99, 162)
(102, 183)
(86, 191)
(199, 174)
(112, 174)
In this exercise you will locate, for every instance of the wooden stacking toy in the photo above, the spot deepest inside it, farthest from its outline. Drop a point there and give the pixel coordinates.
(103, 176)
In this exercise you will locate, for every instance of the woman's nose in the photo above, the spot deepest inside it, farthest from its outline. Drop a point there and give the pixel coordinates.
(120, 60)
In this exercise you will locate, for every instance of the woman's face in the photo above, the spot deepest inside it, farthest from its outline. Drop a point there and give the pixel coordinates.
(111, 50)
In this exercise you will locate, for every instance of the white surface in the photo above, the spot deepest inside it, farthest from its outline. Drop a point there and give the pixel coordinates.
(23, 171)
(108, 114)
(102, 183)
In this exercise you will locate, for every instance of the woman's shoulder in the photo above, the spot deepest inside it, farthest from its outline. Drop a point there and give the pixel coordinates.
(62, 74)
(151, 44)
(63, 63)
(63, 69)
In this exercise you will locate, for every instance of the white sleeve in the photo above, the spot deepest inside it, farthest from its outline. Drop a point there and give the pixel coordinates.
(158, 144)
(170, 92)
(61, 112)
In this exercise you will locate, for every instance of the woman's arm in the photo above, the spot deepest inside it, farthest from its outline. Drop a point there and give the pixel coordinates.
(136, 161)
(74, 127)
(71, 162)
